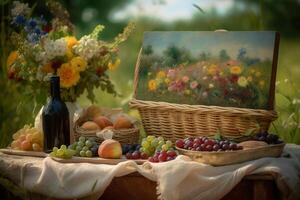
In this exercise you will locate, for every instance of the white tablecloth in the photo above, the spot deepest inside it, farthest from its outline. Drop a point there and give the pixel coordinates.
(177, 179)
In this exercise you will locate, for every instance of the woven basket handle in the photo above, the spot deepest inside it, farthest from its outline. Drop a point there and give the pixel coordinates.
(136, 73)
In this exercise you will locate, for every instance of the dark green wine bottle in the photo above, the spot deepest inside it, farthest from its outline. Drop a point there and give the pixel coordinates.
(55, 117)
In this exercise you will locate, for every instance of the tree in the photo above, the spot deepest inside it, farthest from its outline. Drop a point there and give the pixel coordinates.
(203, 56)
(173, 52)
(148, 50)
(223, 55)
(175, 55)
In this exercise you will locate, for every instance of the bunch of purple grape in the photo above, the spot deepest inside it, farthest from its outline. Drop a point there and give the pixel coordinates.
(130, 148)
(206, 144)
(268, 138)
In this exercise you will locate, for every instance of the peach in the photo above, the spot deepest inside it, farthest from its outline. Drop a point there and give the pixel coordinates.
(102, 121)
(91, 126)
(93, 111)
(122, 122)
(26, 145)
(110, 149)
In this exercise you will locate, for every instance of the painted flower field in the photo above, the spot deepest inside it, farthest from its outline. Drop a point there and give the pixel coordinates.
(217, 80)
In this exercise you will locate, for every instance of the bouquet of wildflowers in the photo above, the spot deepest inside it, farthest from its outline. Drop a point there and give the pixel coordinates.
(46, 48)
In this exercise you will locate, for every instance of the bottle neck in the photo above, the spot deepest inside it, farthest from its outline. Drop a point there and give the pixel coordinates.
(55, 87)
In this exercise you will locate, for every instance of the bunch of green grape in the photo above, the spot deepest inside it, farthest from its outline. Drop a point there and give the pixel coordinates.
(151, 144)
(62, 152)
(85, 147)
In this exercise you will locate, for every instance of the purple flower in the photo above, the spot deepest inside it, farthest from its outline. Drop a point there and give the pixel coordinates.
(19, 20)
(37, 31)
(176, 86)
(31, 23)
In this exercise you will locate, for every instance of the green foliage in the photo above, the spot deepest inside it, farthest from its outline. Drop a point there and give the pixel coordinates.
(175, 55)
(282, 16)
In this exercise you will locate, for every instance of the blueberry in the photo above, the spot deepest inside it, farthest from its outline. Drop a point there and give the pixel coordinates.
(264, 134)
(261, 138)
(258, 135)
(137, 148)
(124, 148)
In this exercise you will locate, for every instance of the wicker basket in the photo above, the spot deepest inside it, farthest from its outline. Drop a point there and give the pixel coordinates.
(124, 136)
(175, 121)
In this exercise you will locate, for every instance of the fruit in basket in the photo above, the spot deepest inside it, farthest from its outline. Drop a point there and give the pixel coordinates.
(90, 126)
(206, 144)
(122, 123)
(252, 144)
(27, 139)
(102, 121)
(62, 152)
(93, 111)
(85, 147)
(268, 138)
(110, 149)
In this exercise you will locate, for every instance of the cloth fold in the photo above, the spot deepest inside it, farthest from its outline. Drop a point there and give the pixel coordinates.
(177, 179)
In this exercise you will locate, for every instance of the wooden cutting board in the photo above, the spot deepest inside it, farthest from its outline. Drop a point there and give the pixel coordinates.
(74, 159)
(24, 153)
(96, 160)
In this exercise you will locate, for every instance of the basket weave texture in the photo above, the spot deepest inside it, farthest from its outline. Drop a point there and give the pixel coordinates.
(124, 136)
(177, 121)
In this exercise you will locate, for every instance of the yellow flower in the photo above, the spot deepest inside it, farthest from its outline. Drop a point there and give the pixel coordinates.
(235, 70)
(252, 71)
(161, 74)
(69, 54)
(113, 66)
(242, 81)
(167, 80)
(71, 41)
(258, 74)
(212, 70)
(78, 63)
(69, 76)
(249, 78)
(12, 57)
(187, 92)
(47, 68)
(152, 85)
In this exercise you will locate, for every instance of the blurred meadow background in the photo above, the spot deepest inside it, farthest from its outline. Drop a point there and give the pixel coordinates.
(17, 108)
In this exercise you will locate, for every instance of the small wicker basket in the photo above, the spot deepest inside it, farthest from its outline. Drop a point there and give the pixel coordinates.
(175, 121)
(124, 136)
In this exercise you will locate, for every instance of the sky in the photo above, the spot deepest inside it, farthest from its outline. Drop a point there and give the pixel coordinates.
(168, 10)
(258, 44)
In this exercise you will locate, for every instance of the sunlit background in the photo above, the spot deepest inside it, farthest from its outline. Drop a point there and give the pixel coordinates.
(171, 15)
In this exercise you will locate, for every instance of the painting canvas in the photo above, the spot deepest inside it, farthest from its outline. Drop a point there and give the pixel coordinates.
(235, 69)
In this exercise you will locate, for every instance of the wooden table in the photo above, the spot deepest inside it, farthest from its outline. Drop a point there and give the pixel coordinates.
(134, 186)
